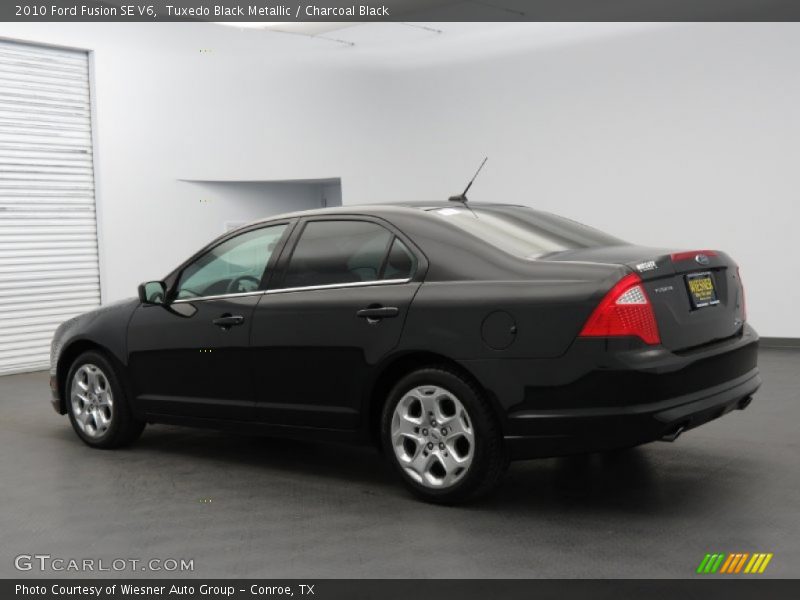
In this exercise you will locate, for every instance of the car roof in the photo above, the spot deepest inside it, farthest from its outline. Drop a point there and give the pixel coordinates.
(379, 209)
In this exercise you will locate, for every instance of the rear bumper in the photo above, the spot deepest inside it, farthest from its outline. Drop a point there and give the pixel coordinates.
(605, 394)
(605, 428)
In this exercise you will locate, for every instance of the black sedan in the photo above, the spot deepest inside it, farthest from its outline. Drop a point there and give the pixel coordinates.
(455, 336)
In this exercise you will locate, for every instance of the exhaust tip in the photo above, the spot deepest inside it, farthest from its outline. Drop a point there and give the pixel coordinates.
(675, 433)
(744, 403)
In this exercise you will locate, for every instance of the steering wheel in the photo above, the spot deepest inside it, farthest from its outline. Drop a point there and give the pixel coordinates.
(235, 286)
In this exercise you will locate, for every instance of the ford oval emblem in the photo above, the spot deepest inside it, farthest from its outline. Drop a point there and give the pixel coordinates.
(701, 259)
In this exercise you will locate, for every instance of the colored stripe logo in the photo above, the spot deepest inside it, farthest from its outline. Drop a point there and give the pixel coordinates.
(732, 564)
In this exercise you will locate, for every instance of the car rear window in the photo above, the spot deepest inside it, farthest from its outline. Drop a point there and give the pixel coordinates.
(524, 232)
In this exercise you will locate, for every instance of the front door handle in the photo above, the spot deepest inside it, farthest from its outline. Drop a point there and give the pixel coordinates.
(373, 314)
(227, 321)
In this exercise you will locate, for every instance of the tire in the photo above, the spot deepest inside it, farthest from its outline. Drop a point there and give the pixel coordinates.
(470, 452)
(97, 405)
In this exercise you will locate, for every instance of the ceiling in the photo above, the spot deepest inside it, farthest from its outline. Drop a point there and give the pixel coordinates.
(447, 31)
(411, 44)
(421, 12)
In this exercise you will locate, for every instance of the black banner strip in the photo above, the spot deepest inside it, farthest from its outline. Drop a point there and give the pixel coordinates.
(400, 10)
(729, 588)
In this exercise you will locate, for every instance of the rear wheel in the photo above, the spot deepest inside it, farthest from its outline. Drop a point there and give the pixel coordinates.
(442, 436)
(97, 405)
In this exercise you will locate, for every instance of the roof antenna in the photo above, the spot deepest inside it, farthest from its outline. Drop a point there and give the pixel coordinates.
(463, 197)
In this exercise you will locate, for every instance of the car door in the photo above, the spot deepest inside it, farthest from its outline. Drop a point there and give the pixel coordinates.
(191, 357)
(338, 309)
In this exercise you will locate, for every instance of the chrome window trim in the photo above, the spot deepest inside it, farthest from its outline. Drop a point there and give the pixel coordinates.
(330, 286)
(217, 297)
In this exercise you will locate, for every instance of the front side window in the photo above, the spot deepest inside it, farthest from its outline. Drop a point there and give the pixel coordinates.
(342, 252)
(235, 266)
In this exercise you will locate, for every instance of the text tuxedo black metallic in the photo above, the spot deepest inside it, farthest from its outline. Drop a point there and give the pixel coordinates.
(455, 336)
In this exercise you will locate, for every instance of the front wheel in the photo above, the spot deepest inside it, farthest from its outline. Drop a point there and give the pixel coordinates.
(97, 405)
(443, 437)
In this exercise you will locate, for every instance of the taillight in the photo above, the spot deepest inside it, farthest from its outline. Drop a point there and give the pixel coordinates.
(691, 254)
(744, 301)
(624, 311)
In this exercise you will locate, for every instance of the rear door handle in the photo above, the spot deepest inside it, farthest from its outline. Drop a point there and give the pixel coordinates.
(227, 321)
(373, 314)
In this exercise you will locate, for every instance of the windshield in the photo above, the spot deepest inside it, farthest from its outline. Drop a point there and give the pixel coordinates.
(524, 232)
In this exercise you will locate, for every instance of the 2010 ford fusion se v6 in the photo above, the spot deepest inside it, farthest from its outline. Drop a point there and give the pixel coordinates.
(455, 336)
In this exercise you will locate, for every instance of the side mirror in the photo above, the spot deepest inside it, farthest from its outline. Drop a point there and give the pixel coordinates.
(152, 292)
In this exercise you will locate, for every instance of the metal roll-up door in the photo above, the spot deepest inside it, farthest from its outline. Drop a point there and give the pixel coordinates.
(49, 268)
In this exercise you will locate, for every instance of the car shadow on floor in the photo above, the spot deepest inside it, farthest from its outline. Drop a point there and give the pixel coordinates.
(610, 482)
(354, 464)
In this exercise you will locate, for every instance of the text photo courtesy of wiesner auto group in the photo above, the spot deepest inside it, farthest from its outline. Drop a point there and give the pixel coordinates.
(368, 300)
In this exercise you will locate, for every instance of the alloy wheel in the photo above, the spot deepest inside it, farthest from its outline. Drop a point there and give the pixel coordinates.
(92, 401)
(432, 436)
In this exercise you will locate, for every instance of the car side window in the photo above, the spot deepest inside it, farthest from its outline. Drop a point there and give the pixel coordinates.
(400, 263)
(334, 252)
(233, 267)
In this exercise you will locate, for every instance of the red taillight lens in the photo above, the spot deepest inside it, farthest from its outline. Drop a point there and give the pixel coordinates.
(624, 311)
(689, 255)
(744, 299)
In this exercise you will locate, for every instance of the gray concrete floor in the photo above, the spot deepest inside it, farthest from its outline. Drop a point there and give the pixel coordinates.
(290, 509)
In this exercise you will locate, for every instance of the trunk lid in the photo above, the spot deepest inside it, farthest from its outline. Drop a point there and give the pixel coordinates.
(685, 319)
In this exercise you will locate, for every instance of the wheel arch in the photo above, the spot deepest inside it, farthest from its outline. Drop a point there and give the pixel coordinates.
(400, 365)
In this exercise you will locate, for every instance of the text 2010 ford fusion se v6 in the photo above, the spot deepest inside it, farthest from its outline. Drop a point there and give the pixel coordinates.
(456, 336)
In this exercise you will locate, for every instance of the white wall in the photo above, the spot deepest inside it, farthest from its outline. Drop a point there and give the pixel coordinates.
(684, 136)
(177, 102)
(677, 135)
(247, 201)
